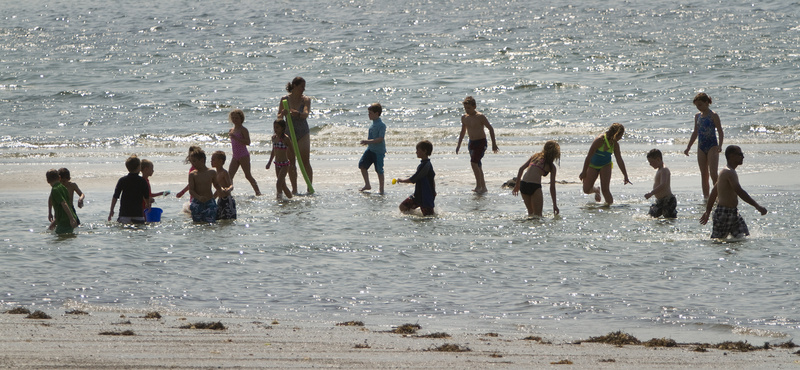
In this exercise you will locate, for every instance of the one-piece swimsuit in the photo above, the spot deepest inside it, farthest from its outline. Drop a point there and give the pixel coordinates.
(239, 149)
(602, 158)
(706, 133)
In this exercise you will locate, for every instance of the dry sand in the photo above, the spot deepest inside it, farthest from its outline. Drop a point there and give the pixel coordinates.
(75, 341)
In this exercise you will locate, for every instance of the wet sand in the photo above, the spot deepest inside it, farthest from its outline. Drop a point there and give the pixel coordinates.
(97, 340)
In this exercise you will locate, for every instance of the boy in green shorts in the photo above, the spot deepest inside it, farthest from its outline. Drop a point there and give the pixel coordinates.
(65, 220)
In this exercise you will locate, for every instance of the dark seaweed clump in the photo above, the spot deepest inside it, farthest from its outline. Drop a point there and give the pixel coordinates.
(38, 315)
(205, 325)
(439, 335)
(450, 348)
(617, 338)
(562, 362)
(406, 329)
(126, 332)
(76, 312)
(663, 342)
(153, 315)
(350, 323)
(19, 311)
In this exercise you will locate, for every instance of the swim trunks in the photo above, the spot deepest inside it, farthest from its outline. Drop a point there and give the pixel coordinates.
(300, 124)
(602, 158)
(665, 206)
(77, 220)
(727, 221)
(203, 212)
(239, 149)
(412, 203)
(528, 188)
(477, 148)
(368, 158)
(226, 208)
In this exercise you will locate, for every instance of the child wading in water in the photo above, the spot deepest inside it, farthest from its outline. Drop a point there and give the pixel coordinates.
(530, 185)
(72, 188)
(473, 123)
(598, 163)
(240, 139)
(226, 205)
(706, 128)
(424, 183)
(203, 207)
(665, 204)
(281, 146)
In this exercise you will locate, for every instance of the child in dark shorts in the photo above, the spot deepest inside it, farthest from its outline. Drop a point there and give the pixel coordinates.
(425, 185)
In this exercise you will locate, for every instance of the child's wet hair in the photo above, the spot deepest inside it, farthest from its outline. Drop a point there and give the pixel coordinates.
(236, 113)
(219, 155)
(470, 101)
(146, 163)
(297, 81)
(616, 131)
(63, 172)
(52, 175)
(654, 153)
(552, 151)
(281, 123)
(426, 146)
(198, 154)
(376, 108)
(703, 97)
(133, 163)
(192, 149)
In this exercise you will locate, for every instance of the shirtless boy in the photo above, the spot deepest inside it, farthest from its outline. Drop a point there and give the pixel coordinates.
(726, 216)
(203, 207)
(666, 203)
(226, 205)
(473, 123)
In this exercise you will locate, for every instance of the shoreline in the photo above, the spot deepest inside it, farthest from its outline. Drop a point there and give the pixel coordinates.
(136, 339)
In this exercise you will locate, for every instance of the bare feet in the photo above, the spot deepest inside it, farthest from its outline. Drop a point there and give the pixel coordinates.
(597, 196)
(365, 188)
(480, 191)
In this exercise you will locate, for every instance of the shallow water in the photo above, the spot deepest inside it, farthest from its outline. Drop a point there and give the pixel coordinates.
(85, 85)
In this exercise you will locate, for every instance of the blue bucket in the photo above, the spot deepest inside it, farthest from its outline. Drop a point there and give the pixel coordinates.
(153, 215)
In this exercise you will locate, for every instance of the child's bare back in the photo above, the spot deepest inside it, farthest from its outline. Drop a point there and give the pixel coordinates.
(200, 182)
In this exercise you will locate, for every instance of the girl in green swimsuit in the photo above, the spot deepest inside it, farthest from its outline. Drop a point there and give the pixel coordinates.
(598, 162)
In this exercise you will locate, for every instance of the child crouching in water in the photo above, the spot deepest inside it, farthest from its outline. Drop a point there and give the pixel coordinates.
(281, 145)
(226, 206)
(598, 163)
(203, 207)
(530, 184)
(423, 180)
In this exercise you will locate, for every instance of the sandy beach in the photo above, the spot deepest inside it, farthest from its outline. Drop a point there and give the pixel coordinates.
(74, 338)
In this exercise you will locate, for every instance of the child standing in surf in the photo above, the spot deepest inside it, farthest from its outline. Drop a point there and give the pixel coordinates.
(472, 124)
(706, 128)
(598, 163)
(240, 139)
(281, 147)
(530, 184)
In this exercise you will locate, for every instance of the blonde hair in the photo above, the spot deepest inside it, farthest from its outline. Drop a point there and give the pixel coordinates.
(615, 131)
(550, 153)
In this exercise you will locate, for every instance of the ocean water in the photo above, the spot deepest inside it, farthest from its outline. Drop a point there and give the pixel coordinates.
(84, 85)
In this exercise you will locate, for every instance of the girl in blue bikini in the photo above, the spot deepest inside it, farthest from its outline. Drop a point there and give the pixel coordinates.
(598, 162)
(706, 129)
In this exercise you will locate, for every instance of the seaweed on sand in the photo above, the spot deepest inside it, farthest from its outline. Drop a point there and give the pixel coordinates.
(450, 348)
(616, 338)
(406, 329)
(205, 325)
(38, 315)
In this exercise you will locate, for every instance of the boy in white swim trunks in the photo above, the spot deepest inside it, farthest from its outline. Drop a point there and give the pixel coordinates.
(727, 220)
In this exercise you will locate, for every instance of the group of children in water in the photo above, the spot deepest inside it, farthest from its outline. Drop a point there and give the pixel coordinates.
(206, 185)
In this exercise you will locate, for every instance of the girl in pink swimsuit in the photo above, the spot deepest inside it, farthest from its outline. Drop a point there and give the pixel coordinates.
(281, 146)
(240, 139)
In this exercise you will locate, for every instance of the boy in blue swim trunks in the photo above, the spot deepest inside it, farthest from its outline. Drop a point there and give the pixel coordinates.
(727, 220)
(706, 128)
(376, 147)
(473, 123)
(203, 207)
(665, 204)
